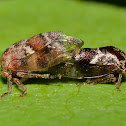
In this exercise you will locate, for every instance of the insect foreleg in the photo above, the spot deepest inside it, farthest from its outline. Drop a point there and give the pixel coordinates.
(20, 84)
(9, 82)
(118, 82)
(35, 75)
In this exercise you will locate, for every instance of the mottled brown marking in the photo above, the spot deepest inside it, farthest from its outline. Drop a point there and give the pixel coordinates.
(14, 65)
(16, 45)
(117, 52)
(87, 54)
(45, 57)
(43, 37)
(39, 41)
(36, 43)
(5, 52)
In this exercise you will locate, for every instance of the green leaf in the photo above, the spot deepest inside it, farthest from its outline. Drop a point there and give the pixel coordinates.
(59, 102)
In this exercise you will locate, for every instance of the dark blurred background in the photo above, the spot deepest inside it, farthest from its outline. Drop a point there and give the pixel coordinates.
(115, 2)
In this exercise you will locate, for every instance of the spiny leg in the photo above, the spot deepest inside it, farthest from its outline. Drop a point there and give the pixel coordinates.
(30, 75)
(20, 84)
(118, 82)
(9, 82)
(105, 79)
(35, 75)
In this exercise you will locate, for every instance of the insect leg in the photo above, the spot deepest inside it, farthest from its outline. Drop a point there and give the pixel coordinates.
(106, 79)
(34, 75)
(9, 82)
(20, 84)
(103, 79)
(118, 82)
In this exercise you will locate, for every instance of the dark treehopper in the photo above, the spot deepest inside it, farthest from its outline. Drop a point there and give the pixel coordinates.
(96, 65)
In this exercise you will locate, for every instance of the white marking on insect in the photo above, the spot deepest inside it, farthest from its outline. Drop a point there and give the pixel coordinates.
(29, 50)
(77, 57)
(106, 59)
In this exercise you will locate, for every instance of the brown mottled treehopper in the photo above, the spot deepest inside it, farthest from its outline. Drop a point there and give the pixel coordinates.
(30, 57)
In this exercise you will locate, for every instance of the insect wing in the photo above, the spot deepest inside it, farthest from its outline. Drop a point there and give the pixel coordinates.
(40, 41)
(61, 49)
(26, 48)
(69, 42)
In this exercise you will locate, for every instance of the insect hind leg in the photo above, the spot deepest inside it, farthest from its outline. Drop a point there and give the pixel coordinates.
(118, 82)
(20, 84)
(103, 79)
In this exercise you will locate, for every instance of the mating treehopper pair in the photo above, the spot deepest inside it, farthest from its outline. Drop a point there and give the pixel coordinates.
(60, 55)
